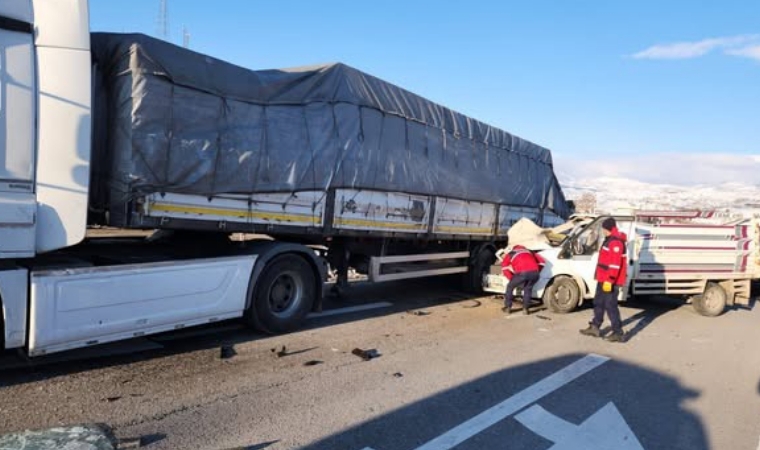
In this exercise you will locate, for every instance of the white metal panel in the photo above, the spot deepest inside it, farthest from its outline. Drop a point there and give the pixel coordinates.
(509, 215)
(376, 264)
(381, 211)
(16, 111)
(464, 217)
(16, 210)
(696, 249)
(62, 23)
(74, 308)
(17, 225)
(304, 209)
(63, 160)
(13, 289)
(17, 9)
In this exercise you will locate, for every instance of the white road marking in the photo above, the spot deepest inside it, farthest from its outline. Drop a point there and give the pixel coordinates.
(513, 404)
(605, 429)
(349, 309)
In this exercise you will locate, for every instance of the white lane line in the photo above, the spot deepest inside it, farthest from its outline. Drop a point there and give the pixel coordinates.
(513, 404)
(349, 309)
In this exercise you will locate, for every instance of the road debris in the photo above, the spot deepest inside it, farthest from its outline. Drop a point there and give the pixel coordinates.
(418, 312)
(398, 375)
(129, 443)
(472, 304)
(313, 362)
(543, 317)
(366, 355)
(280, 353)
(113, 399)
(227, 351)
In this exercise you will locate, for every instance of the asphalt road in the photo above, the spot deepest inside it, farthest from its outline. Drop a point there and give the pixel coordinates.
(458, 375)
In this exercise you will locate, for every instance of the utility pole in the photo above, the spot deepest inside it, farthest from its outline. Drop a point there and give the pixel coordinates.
(162, 23)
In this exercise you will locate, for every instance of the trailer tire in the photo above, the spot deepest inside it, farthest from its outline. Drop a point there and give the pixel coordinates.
(712, 302)
(283, 295)
(563, 295)
(479, 267)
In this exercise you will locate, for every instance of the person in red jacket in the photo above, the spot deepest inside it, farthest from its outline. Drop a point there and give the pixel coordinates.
(521, 267)
(611, 273)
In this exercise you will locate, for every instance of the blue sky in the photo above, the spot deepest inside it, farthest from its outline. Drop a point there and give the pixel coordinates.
(598, 81)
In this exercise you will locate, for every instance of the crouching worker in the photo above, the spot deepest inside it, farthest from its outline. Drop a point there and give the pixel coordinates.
(521, 267)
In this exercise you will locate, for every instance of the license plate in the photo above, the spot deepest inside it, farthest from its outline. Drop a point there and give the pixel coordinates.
(495, 281)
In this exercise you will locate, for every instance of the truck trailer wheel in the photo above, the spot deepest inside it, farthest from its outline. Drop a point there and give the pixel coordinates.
(283, 295)
(562, 295)
(712, 302)
(479, 267)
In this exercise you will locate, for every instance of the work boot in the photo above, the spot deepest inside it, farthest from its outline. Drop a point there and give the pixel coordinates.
(615, 337)
(507, 310)
(526, 311)
(592, 331)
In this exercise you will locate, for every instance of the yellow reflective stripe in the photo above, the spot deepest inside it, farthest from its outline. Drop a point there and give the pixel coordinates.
(465, 230)
(300, 218)
(375, 224)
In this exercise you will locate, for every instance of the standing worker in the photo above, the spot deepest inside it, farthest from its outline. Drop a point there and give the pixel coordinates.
(521, 267)
(611, 273)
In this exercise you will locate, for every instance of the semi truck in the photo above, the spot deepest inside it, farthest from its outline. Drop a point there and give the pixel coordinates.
(323, 166)
(670, 253)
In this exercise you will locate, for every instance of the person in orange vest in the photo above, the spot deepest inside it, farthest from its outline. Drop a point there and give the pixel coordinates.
(521, 267)
(611, 274)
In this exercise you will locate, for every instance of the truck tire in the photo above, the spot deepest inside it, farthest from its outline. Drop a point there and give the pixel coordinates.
(562, 296)
(712, 302)
(480, 267)
(283, 295)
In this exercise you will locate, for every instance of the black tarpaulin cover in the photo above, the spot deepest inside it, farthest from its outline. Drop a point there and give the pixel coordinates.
(172, 120)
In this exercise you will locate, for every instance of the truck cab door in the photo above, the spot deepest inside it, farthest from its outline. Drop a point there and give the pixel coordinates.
(582, 252)
(632, 253)
(17, 128)
(582, 249)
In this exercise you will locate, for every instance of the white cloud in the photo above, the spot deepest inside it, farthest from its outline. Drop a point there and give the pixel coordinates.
(695, 49)
(685, 169)
(752, 51)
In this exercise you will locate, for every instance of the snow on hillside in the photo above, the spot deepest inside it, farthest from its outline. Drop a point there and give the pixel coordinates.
(611, 193)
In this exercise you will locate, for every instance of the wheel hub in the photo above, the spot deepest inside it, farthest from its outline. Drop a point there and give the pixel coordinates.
(285, 294)
(563, 295)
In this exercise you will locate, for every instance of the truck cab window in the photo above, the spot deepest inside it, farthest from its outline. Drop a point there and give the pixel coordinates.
(588, 241)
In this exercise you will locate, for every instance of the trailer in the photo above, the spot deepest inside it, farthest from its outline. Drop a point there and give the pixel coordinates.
(711, 266)
(325, 165)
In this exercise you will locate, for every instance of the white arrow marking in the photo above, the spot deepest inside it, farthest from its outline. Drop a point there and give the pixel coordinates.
(522, 399)
(605, 429)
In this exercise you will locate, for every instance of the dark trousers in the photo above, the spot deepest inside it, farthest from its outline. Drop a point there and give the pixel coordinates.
(526, 280)
(607, 302)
